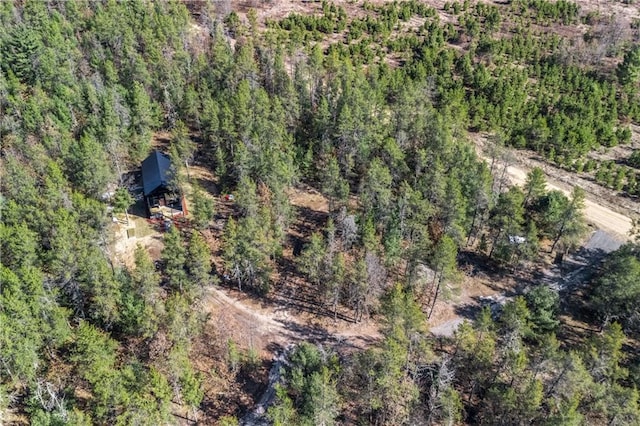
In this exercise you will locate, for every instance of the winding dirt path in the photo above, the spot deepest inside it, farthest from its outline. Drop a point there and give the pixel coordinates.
(274, 329)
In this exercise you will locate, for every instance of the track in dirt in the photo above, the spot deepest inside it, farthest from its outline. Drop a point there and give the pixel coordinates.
(265, 326)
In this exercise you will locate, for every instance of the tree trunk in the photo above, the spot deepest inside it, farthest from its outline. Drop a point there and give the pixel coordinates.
(560, 232)
(435, 297)
(473, 224)
(493, 245)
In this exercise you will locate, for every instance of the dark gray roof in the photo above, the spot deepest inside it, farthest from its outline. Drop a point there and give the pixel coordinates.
(155, 172)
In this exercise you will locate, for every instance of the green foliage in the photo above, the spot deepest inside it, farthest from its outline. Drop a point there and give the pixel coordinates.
(543, 303)
(571, 227)
(535, 186)
(617, 288)
(247, 248)
(199, 261)
(312, 397)
(142, 306)
(181, 147)
(122, 200)
(376, 190)
(444, 266)
(390, 395)
(606, 367)
(334, 186)
(191, 386)
(174, 257)
(31, 323)
(283, 412)
(20, 48)
(83, 86)
(629, 69)
(507, 219)
(634, 159)
(228, 421)
(182, 324)
(202, 209)
(89, 165)
(18, 245)
(312, 260)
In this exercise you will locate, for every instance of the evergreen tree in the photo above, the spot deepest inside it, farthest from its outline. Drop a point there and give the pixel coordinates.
(202, 209)
(543, 303)
(534, 187)
(616, 288)
(571, 226)
(506, 220)
(312, 260)
(629, 69)
(199, 261)
(174, 257)
(444, 266)
(122, 200)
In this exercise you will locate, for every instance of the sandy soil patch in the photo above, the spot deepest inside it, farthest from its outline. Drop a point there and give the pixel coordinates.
(307, 197)
(126, 237)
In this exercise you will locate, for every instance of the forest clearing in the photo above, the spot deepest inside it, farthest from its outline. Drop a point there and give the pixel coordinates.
(269, 326)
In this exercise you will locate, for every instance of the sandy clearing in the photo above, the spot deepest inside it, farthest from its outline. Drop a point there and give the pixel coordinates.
(309, 198)
(447, 329)
(126, 237)
(262, 324)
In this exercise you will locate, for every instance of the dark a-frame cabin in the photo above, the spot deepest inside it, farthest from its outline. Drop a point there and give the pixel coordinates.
(160, 198)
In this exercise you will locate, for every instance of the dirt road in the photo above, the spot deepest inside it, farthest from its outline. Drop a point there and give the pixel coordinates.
(604, 208)
(613, 227)
(602, 217)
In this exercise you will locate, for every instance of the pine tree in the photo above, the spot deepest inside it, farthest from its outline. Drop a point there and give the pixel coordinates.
(506, 220)
(122, 200)
(444, 266)
(311, 261)
(199, 261)
(202, 209)
(571, 226)
(629, 69)
(174, 257)
(534, 187)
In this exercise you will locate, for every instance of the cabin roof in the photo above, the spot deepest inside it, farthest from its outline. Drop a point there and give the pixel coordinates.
(156, 171)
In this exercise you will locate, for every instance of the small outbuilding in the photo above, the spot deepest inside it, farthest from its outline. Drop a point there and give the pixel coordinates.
(161, 196)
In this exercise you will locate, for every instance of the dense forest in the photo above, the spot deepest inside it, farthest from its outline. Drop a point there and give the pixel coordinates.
(373, 110)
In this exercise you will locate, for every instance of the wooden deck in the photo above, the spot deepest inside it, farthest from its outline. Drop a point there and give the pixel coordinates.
(165, 212)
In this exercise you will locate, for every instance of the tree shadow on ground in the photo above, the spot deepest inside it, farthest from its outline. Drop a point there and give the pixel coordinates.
(319, 335)
(482, 266)
(469, 311)
(308, 221)
(207, 185)
(252, 378)
(569, 277)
